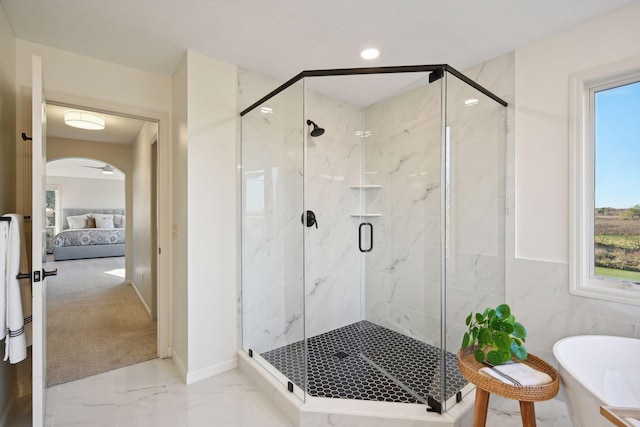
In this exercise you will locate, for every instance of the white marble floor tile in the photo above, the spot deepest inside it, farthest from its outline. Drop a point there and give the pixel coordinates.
(95, 408)
(153, 394)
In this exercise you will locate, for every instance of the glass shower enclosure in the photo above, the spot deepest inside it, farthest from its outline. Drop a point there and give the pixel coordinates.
(373, 222)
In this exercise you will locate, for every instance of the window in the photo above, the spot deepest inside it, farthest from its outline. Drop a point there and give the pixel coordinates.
(605, 238)
(52, 213)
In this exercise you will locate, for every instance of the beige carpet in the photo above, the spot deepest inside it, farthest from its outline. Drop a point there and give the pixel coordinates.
(95, 322)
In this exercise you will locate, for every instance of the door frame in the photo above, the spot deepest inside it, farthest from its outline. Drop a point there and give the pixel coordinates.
(163, 201)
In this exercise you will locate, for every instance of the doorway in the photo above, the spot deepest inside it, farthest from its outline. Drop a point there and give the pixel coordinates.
(97, 276)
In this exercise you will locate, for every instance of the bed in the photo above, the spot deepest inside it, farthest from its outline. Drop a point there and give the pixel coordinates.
(89, 233)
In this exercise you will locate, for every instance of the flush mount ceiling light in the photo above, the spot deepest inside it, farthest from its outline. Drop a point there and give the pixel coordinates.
(84, 120)
(471, 101)
(370, 53)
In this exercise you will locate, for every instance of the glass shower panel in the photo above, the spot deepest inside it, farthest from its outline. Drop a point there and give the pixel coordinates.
(333, 288)
(475, 210)
(272, 236)
(402, 291)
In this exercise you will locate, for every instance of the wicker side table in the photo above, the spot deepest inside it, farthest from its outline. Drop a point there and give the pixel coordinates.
(486, 385)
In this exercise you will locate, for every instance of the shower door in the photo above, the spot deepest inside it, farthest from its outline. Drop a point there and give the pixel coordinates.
(272, 158)
(373, 257)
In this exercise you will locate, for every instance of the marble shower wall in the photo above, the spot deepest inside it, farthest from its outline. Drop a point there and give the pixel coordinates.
(475, 268)
(332, 280)
(402, 156)
(273, 235)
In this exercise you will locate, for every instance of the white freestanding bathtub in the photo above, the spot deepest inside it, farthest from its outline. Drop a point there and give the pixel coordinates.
(598, 370)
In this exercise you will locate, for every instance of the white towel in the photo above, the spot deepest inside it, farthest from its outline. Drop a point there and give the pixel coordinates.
(524, 374)
(4, 243)
(18, 295)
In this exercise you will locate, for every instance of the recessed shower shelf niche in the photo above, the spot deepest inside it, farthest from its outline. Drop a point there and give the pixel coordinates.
(365, 186)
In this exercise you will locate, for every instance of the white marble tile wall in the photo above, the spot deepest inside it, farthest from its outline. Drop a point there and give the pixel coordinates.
(272, 235)
(332, 276)
(403, 155)
(538, 291)
(273, 156)
(476, 264)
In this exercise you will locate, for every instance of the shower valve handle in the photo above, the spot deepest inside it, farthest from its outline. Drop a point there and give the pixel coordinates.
(311, 219)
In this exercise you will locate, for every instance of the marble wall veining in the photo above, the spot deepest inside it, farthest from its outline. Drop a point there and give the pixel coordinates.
(402, 156)
(272, 236)
(276, 246)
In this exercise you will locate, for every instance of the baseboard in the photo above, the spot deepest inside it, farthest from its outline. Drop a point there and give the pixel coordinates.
(144, 304)
(7, 411)
(212, 370)
(180, 365)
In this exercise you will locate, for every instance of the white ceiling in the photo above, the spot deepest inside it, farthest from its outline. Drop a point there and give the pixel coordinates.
(280, 38)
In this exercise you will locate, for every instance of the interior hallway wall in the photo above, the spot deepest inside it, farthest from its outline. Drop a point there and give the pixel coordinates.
(142, 243)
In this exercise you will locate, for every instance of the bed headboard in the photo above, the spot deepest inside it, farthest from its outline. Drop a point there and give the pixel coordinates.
(82, 211)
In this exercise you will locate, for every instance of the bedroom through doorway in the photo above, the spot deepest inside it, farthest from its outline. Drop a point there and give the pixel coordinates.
(102, 238)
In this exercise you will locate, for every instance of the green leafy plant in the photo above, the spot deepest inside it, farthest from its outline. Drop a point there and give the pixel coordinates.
(496, 336)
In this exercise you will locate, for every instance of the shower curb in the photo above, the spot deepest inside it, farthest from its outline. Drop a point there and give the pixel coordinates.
(342, 412)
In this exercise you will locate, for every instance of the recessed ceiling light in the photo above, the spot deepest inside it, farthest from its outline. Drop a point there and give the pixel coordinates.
(84, 120)
(266, 110)
(371, 53)
(471, 101)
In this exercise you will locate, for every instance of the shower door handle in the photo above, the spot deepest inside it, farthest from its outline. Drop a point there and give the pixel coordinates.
(360, 233)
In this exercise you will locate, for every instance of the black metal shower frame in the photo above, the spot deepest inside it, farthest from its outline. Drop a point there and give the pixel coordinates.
(440, 68)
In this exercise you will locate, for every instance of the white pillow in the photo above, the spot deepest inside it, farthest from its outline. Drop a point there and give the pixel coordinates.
(97, 215)
(104, 222)
(77, 221)
(118, 221)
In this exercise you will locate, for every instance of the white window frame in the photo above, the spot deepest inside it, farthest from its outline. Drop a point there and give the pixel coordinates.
(582, 87)
(58, 211)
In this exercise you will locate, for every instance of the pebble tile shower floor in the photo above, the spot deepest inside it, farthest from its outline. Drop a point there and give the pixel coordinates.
(348, 363)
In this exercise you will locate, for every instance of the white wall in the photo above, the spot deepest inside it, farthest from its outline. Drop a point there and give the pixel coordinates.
(542, 87)
(538, 277)
(211, 204)
(89, 193)
(204, 212)
(142, 244)
(180, 279)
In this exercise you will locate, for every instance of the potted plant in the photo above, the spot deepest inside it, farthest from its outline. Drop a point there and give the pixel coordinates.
(495, 335)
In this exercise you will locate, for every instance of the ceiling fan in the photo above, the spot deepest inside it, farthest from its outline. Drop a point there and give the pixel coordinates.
(106, 169)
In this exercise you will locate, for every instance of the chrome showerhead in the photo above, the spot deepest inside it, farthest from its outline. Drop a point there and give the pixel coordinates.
(317, 130)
